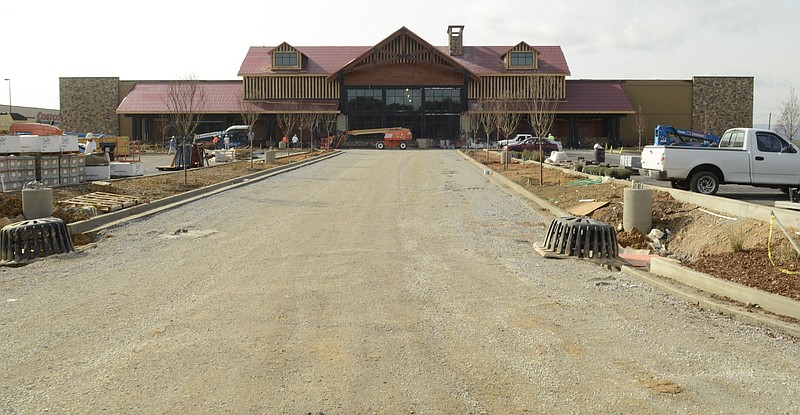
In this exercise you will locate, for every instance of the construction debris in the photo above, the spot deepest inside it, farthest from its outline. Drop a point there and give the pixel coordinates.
(103, 202)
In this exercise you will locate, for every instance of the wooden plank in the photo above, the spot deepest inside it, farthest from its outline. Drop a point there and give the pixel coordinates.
(104, 202)
(586, 208)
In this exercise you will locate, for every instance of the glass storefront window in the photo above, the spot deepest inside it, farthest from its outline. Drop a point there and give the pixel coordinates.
(407, 99)
(365, 100)
(443, 99)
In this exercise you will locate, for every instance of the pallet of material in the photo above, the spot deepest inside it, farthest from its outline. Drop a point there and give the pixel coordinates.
(104, 202)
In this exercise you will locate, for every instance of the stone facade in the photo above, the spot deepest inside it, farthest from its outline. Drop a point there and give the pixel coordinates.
(719, 103)
(89, 105)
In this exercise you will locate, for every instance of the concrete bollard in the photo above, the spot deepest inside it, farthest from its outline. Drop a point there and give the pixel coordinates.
(505, 157)
(269, 157)
(637, 210)
(37, 203)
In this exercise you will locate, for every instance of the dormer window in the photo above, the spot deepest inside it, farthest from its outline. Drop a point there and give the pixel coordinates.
(521, 60)
(286, 60)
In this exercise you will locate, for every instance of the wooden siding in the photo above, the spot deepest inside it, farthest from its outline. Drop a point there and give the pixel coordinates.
(290, 87)
(403, 49)
(405, 75)
(493, 87)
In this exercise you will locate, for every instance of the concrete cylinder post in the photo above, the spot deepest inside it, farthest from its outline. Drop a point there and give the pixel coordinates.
(269, 157)
(505, 157)
(37, 203)
(637, 210)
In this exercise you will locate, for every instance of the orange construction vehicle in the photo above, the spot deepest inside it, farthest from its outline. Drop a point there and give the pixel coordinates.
(33, 128)
(394, 137)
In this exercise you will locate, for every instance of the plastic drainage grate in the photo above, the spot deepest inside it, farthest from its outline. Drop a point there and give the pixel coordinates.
(30, 239)
(582, 237)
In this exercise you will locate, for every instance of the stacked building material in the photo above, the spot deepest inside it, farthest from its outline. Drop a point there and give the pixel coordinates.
(15, 171)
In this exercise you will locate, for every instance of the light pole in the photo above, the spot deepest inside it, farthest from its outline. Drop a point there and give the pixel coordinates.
(9, 94)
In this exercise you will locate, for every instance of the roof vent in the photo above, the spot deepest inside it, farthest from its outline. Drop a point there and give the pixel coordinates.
(456, 40)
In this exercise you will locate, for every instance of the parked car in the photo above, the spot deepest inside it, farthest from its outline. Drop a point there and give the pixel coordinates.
(516, 140)
(557, 143)
(533, 144)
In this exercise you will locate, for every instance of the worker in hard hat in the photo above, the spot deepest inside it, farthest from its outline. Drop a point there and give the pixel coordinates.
(91, 146)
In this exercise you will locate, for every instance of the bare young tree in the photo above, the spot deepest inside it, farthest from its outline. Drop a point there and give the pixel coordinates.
(487, 121)
(288, 121)
(789, 120)
(162, 125)
(185, 101)
(474, 126)
(704, 123)
(328, 124)
(309, 121)
(507, 117)
(639, 124)
(249, 112)
(542, 113)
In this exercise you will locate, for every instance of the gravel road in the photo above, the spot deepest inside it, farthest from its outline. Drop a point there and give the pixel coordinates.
(394, 282)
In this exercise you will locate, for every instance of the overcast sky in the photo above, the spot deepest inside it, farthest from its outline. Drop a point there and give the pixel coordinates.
(622, 39)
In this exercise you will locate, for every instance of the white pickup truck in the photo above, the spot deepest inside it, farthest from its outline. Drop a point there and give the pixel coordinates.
(743, 156)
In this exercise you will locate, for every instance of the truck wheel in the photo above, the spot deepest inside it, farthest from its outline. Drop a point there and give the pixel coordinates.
(403, 146)
(380, 145)
(680, 184)
(704, 182)
(793, 193)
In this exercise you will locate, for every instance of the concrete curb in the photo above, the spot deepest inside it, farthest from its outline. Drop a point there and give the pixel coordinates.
(773, 303)
(695, 287)
(704, 301)
(139, 211)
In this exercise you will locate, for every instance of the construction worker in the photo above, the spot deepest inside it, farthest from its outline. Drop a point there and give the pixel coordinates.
(91, 146)
(285, 141)
(216, 140)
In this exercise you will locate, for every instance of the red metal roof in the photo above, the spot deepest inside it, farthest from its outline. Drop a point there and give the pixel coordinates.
(326, 60)
(322, 60)
(583, 97)
(150, 97)
(487, 60)
(220, 97)
(595, 97)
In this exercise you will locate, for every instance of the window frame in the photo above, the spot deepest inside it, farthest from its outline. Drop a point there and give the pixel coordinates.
(514, 58)
(279, 57)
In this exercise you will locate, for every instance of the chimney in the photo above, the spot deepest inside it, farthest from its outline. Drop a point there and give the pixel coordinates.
(456, 40)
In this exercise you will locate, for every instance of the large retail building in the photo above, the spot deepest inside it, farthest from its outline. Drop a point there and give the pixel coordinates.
(404, 81)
